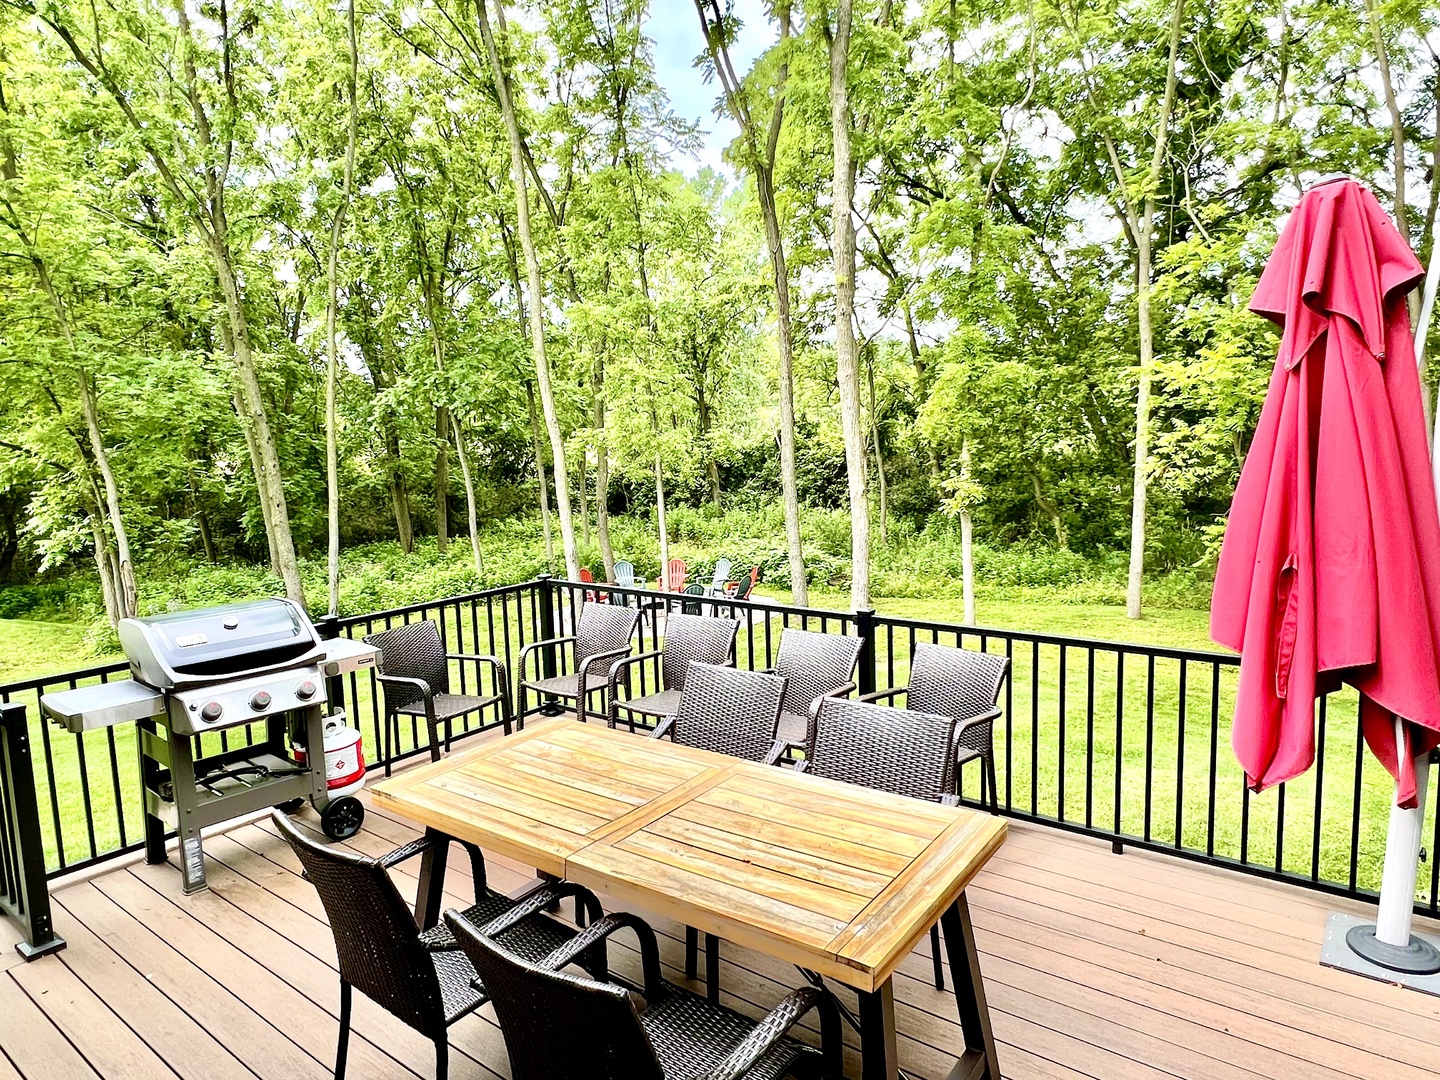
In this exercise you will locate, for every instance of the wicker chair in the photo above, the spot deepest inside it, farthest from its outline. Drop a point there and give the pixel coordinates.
(818, 666)
(729, 711)
(415, 674)
(559, 1026)
(719, 578)
(897, 750)
(964, 684)
(419, 977)
(602, 635)
(687, 637)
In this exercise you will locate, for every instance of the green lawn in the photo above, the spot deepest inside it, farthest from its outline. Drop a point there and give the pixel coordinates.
(1068, 747)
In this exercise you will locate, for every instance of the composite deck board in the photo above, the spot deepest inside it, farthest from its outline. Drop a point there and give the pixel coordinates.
(1097, 965)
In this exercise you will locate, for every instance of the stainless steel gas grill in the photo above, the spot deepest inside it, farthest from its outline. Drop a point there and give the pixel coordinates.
(198, 674)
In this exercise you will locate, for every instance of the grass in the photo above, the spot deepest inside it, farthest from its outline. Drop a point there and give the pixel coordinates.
(1078, 747)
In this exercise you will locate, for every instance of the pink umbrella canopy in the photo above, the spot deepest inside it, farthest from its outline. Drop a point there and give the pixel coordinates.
(1330, 568)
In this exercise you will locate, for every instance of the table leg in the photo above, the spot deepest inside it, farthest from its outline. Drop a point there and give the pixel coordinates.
(969, 989)
(879, 1058)
(429, 895)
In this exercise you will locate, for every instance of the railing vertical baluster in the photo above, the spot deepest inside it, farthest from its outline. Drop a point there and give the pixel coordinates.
(1115, 844)
(865, 629)
(1355, 802)
(1280, 829)
(1009, 722)
(1090, 738)
(1182, 710)
(1034, 728)
(1060, 771)
(1319, 789)
(1149, 741)
(1214, 758)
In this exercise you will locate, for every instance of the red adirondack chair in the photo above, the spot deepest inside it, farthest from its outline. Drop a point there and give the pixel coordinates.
(593, 595)
(741, 590)
(674, 578)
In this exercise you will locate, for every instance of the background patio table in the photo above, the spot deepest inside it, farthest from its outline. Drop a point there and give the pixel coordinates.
(838, 879)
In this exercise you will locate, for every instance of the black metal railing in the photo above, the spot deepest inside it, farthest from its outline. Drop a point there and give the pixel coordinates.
(1118, 741)
(24, 895)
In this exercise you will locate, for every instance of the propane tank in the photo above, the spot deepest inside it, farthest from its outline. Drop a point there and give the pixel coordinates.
(344, 757)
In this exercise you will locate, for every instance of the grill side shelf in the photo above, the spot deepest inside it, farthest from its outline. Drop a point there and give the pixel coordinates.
(102, 705)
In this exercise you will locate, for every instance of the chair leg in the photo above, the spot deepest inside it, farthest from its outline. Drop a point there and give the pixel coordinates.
(442, 1058)
(385, 740)
(935, 955)
(343, 1046)
(692, 952)
(994, 787)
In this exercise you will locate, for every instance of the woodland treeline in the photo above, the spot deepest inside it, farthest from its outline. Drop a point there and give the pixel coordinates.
(279, 277)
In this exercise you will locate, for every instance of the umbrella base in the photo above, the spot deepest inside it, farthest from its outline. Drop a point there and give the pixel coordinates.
(1419, 957)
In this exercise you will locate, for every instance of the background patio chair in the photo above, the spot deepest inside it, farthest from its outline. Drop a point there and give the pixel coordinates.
(719, 578)
(603, 635)
(964, 684)
(817, 666)
(691, 607)
(687, 638)
(559, 1026)
(625, 578)
(901, 751)
(673, 578)
(421, 978)
(741, 590)
(415, 675)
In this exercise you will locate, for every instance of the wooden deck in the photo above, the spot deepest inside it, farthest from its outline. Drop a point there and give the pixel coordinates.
(1096, 965)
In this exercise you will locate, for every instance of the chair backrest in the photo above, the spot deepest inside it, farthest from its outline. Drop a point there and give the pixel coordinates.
(376, 939)
(675, 574)
(625, 574)
(602, 628)
(816, 665)
(691, 607)
(897, 750)
(559, 1026)
(702, 638)
(955, 682)
(412, 651)
(585, 575)
(746, 585)
(729, 710)
(721, 575)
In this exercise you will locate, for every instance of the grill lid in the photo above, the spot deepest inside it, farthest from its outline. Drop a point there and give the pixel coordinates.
(192, 648)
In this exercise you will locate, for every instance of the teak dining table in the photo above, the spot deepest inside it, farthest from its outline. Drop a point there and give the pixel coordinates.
(838, 879)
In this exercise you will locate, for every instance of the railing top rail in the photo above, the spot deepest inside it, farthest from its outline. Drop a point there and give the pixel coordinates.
(771, 606)
(345, 622)
(40, 682)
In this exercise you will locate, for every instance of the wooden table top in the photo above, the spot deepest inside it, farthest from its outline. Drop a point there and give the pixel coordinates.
(834, 877)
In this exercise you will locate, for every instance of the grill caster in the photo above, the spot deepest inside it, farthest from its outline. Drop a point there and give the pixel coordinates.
(342, 817)
(290, 806)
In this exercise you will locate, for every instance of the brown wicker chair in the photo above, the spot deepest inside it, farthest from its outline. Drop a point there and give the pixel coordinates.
(419, 977)
(559, 1026)
(964, 684)
(415, 675)
(688, 638)
(818, 666)
(897, 750)
(602, 635)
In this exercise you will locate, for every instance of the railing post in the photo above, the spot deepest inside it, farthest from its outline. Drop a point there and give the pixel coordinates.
(547, 622)
(24, 892)
(329, 629)
(865, 628)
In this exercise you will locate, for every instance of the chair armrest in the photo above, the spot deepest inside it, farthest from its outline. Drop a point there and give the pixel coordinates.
(548, 643)
(776, 1026)
(598, 932)
(989, 716)
(665, 729)
(419, 684)
(949, 800)
(626, 661)
(537, 900)
(432, 839)
(884, 695)
(502, 670)
(777, 752)
(595, 658)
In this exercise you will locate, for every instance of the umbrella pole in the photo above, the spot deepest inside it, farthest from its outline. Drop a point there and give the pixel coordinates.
(1389, 942)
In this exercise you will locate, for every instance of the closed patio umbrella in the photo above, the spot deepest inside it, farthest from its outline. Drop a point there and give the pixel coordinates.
(1330, 568)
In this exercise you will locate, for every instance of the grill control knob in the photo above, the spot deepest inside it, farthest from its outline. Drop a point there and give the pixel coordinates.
(260, 700)
(305, 691)
(211, 712)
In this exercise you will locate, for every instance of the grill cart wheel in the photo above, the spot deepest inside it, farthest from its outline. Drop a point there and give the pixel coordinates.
(342, 817)
(290, 806)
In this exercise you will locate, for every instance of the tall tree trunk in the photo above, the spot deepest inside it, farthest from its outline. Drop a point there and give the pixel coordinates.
(1142, 229)
(207, 541)
(103, 567)
(399, 490)
(602, 467)
(332, 355)
(540, 471)
(660, 523)
(472, 512)
(880, 479)
(442, 479)
(762, 165)
(537, 294)
(847, 361)
(583, 488)
(257, 466)
(707, 424)
(967, 540)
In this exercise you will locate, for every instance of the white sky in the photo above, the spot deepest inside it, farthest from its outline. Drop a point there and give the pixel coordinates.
(675, 28)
